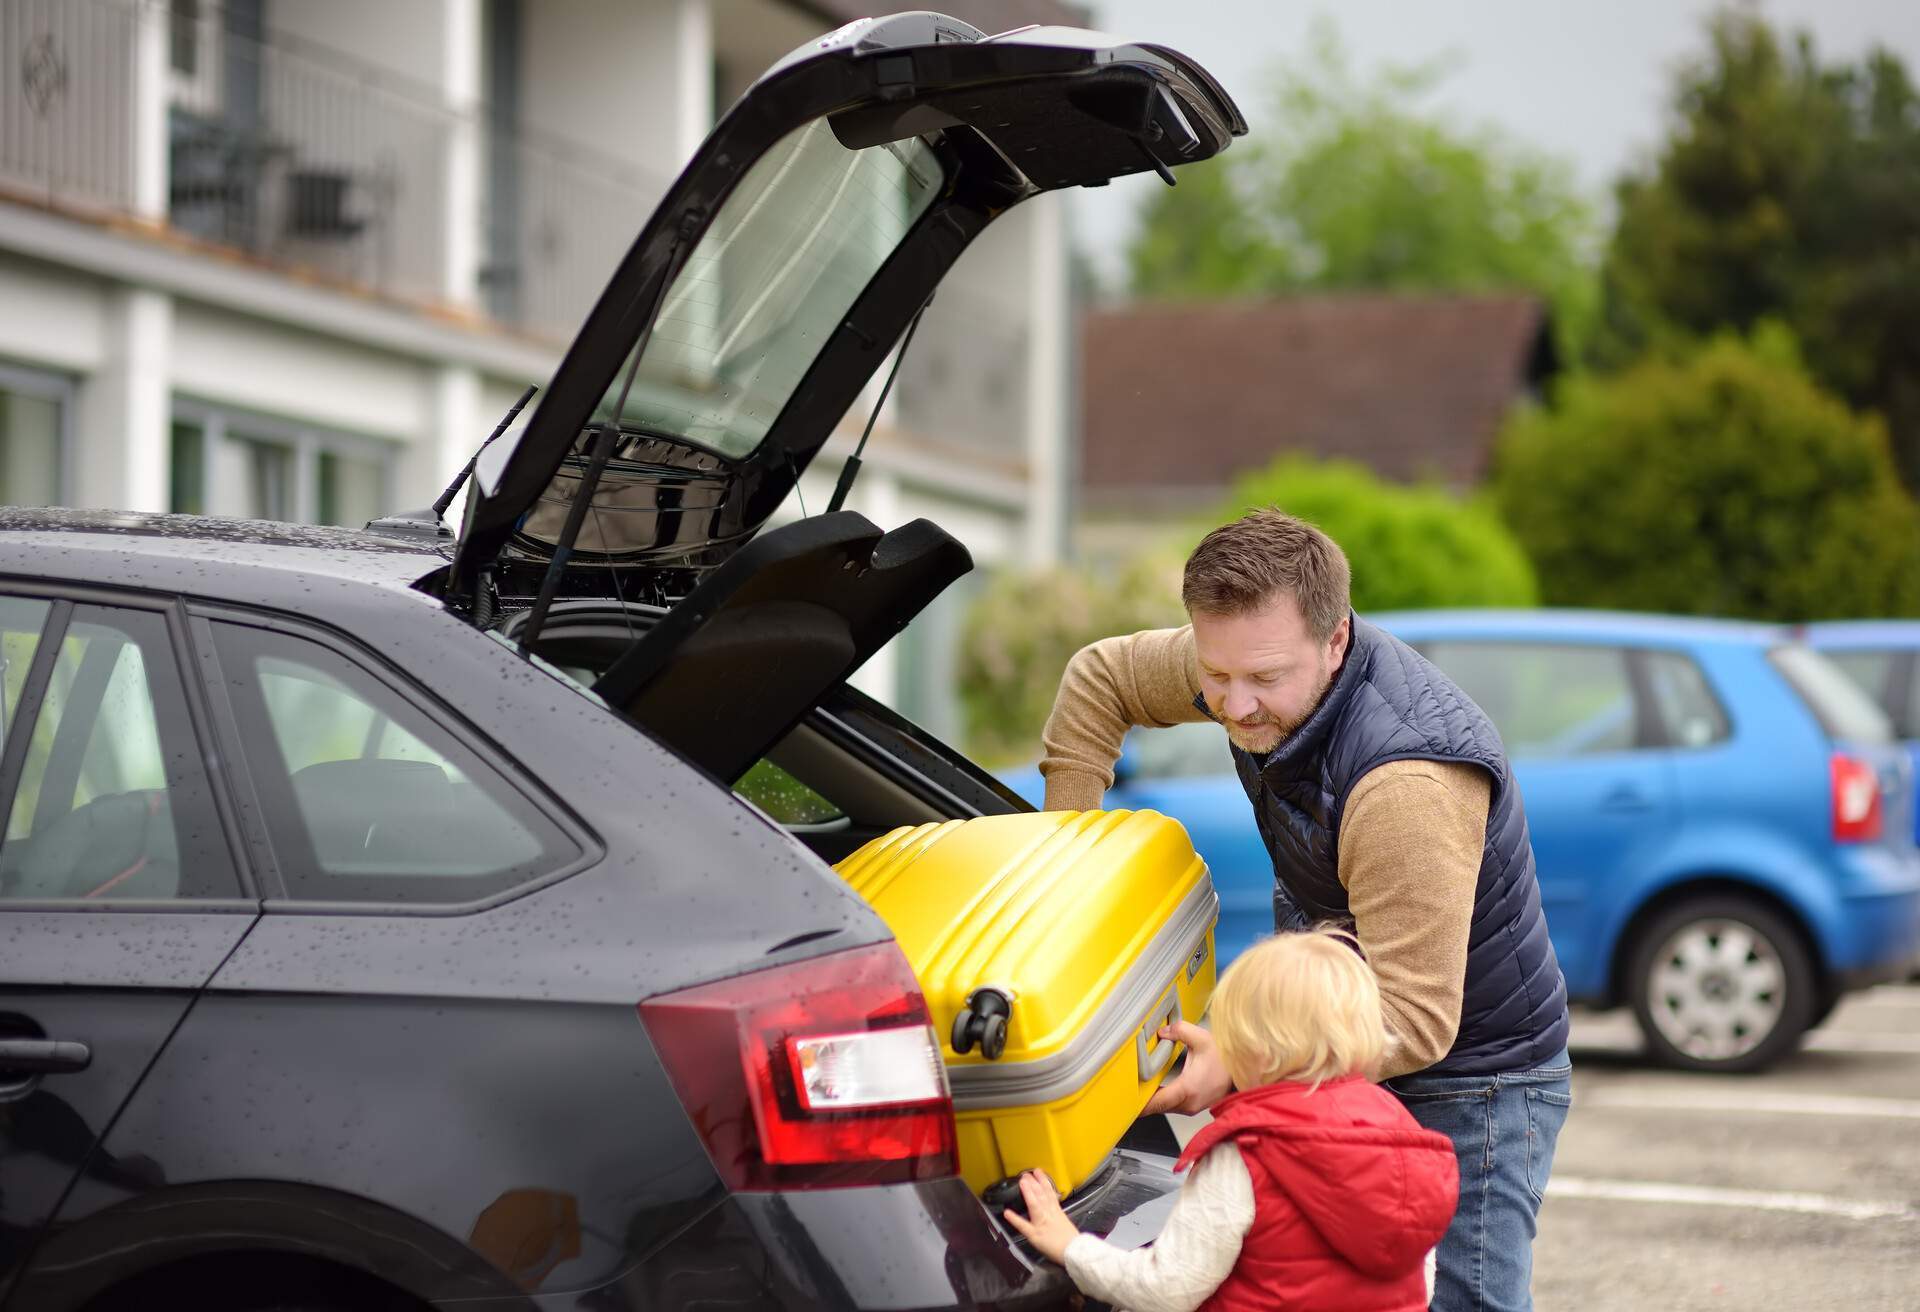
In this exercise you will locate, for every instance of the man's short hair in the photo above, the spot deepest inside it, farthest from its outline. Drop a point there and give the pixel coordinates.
(1241, 567)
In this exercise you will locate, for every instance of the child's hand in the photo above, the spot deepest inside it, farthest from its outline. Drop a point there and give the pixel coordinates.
(1045, 1225)
(1202, 1082)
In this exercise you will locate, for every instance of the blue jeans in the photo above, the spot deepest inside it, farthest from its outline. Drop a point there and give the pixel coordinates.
(1503, 1128)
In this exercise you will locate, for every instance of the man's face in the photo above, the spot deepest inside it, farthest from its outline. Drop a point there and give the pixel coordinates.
(1263, 673)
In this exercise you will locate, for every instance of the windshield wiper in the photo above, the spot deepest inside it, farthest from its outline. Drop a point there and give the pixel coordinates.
(445, 499)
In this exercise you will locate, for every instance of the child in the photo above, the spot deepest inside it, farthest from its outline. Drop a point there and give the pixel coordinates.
(1313, 1187)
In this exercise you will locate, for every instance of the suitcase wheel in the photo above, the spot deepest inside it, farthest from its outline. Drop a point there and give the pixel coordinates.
(984, 1021)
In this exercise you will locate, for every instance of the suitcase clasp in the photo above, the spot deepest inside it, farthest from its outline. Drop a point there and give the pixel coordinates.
(1153, 1061)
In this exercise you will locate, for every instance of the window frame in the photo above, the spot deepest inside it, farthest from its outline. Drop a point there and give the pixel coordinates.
(305, 443)
(589, 851)
(61, 390)
(200, 729)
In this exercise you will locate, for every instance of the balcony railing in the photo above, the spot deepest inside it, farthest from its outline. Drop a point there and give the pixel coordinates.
(305, 159)
(66, 102)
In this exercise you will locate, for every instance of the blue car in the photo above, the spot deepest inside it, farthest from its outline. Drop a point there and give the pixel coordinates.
(1723, 823)
(1883, 658)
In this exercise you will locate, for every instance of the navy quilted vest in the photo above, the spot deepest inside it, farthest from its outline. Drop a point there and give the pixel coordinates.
(1389, 703)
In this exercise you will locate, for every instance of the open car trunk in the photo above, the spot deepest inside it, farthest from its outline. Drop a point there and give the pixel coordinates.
(778, 273)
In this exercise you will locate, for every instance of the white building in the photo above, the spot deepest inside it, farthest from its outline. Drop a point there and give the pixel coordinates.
(292, 259)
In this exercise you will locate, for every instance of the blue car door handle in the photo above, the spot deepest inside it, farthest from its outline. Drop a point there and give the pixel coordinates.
(1626, 797)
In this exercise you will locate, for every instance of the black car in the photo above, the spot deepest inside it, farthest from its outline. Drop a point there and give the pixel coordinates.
(378, 924)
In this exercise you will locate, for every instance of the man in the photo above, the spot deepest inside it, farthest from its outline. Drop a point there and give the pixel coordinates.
(1386, 801)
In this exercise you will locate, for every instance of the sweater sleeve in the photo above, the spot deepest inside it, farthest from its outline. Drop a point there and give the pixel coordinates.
(1148, 678)
(1196, 1249)
(1411, 843)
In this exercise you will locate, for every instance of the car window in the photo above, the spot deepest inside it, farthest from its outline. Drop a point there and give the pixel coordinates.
(21, 620)
(1871, 672)
(1844, 712)
(1689, 714)
(365, 797)
(111, 799)
(767, 283)
(1546, 699)
(785, 798)
(1180, 751)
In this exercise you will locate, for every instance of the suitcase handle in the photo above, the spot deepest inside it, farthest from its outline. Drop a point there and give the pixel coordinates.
(1153, 1061)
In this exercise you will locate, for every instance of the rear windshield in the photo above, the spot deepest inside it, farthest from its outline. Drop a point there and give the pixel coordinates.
(1846, 713)
(793, 247)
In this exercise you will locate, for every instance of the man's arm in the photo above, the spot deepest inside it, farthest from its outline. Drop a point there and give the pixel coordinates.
(1148, 678)
(1411, 842)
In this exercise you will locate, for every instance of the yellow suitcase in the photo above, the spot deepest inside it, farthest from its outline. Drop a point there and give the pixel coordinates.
(1051, 947)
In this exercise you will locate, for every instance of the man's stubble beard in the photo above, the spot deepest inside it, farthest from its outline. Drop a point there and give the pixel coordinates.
(1274, 731)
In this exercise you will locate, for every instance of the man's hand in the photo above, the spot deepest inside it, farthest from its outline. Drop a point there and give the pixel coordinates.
(1202, 1082)
(1045, 1225)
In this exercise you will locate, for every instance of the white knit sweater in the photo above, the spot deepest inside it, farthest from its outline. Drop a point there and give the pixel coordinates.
(1196, 1249)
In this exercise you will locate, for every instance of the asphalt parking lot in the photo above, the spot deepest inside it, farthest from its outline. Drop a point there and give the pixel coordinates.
(1796, 1190)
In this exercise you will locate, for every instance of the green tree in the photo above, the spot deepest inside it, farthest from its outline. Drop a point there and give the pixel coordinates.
(1788, 189)
(1408, 546)
(1356, 185)
(1724, 483)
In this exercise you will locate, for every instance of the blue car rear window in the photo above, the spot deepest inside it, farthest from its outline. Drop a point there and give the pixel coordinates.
(1846, 713)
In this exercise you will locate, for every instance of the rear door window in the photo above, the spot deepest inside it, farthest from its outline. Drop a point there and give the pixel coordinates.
(109, 799)
(1844, 712)
(1180, 751)
(1546, 699)
(367, 798)
(1683, 701)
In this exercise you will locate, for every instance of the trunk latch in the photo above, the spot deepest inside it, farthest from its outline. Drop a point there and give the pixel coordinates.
(983, 1020)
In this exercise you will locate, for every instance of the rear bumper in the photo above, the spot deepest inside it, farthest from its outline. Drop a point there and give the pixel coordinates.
(899, 1248)
(1878, 934)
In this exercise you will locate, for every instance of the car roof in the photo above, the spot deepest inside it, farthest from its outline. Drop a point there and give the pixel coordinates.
(82, 545)
(1587, 625)
(1860, 633)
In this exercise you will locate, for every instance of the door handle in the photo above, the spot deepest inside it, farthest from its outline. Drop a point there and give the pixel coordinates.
(1626, 798)
(43, 1056)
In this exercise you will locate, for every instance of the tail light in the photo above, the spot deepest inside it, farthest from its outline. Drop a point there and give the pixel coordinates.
(822, 1074)
(1857, 816)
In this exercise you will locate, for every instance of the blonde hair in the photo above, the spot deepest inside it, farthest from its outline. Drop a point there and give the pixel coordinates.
(1299, 1007)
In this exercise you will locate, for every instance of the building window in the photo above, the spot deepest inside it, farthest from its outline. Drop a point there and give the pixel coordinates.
(249, 467)
(193, 55)
(33, 418)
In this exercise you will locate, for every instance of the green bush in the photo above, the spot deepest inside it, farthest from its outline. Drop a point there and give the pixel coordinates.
(1023, 628)
(1723, 483)
(1409, 546)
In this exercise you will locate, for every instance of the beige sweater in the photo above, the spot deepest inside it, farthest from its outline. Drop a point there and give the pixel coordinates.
(1410, 838)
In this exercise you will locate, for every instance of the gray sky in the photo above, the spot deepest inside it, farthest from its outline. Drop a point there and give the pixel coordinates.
(1585, 79)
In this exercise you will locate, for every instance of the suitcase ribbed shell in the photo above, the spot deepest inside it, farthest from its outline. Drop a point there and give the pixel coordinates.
(1096, 924)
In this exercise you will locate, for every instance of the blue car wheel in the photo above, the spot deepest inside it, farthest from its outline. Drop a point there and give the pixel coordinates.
(1722, 984)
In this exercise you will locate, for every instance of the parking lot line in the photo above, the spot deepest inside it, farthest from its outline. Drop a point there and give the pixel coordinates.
(1741, 1100)
(1648, 1191)
(1862, 1041)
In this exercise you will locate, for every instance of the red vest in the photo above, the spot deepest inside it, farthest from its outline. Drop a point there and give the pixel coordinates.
(1349, 1193)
